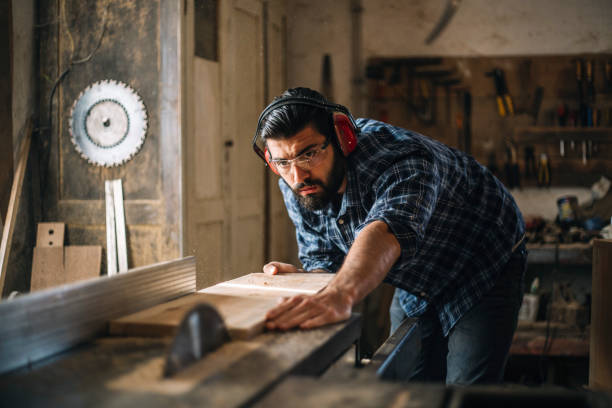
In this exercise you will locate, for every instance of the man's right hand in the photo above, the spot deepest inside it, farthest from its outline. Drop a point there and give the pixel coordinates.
(272, 268)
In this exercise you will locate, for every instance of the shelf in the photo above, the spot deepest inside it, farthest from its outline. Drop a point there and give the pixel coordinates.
(538, 134)
(563, 340)
(569, 254)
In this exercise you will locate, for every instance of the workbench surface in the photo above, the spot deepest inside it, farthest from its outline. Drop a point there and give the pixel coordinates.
(118, 372)
(297, 392)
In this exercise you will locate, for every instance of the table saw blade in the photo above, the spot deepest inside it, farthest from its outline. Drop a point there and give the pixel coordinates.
(201, 331)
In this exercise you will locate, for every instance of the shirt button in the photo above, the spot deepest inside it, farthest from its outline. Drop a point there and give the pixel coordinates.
(423, 294)
(340, 221)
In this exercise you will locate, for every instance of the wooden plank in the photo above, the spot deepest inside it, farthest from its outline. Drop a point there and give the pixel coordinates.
(9, 223)
(244, 317)
(82, 262)
(55, 266)
(111, 236)
(47, 267)
(40, 324)
(50, 234)
(600, 364)
(120, 226)
(241, 302)
(261, 284)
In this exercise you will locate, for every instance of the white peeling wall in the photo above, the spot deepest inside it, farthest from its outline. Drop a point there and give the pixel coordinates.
(398, 28)
(488, 27)
(316, 28)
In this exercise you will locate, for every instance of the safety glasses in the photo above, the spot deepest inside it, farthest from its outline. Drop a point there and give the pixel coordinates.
(304, 161)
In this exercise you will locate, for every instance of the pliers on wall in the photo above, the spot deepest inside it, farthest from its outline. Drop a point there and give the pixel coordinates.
(504, 100)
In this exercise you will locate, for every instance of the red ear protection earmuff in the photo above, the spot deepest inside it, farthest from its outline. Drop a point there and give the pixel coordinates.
(347, 139)
(344, 125)
(267, 158)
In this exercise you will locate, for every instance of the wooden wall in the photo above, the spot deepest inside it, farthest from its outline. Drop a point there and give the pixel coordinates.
(6, 132)
(600, 369)
(140, 47)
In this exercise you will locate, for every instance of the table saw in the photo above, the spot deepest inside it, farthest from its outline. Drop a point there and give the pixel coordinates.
(106, 342)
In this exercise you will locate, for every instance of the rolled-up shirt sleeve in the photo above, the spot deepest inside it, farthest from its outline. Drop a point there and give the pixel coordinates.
(405, 198)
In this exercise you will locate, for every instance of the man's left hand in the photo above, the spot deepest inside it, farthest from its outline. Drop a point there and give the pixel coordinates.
(308, 311)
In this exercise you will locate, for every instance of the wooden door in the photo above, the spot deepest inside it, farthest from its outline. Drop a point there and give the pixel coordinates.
(224, 179)
(204, 154)
(281, 240)
(243, 75)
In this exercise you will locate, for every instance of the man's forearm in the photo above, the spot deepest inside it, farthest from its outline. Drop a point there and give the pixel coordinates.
(371, 256)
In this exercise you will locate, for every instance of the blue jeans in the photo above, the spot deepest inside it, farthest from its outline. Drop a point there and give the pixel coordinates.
(476, 349)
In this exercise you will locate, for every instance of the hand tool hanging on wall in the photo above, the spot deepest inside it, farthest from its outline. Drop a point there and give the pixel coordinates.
(447, 15)
(505, 106)
(492, 164)
(422, 92)
(544, 171)
(582, 109)
(447, 83)
(590, 95)
(327, 87)
(422, 100)
(511, 168)
(537, 102)
(608, 76)
(463, 121)
(530, 164)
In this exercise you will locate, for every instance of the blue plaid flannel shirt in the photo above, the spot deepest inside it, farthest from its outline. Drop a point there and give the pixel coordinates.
(455, 222)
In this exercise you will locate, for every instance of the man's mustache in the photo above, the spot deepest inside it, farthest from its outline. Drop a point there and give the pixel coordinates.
(308, 183)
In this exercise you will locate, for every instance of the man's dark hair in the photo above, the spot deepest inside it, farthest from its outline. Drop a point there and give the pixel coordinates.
(287, 120)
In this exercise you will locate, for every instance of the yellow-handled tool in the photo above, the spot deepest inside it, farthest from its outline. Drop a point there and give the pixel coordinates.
(505, 106)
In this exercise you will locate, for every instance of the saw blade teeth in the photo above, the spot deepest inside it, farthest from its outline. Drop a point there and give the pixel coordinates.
(88, 144)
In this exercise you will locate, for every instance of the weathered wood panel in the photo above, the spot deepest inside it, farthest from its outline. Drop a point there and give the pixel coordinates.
(140, 47)
(600, 372)
(6, 116)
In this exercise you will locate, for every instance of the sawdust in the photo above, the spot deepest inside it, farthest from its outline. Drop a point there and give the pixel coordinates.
(147, 376)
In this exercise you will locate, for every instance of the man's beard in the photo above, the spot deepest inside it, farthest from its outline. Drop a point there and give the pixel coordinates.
(318, 201)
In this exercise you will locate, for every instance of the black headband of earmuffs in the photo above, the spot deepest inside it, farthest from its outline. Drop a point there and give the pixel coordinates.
(297, 100)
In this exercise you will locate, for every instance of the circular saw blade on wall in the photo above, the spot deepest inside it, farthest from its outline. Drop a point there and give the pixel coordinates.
(108, 123)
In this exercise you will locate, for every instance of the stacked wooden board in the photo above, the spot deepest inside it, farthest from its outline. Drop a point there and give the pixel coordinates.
(54, 264)
(242, 303)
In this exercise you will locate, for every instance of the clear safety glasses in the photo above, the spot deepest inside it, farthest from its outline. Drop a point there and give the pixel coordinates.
(304, 161)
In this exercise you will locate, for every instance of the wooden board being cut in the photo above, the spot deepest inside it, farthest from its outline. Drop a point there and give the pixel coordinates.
(244, 317)
(241, 302)
(261, 284)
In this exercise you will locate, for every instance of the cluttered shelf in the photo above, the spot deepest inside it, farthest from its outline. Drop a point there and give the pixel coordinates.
(536, 134)
(567, 254)
(555, 155)
(552, 339)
